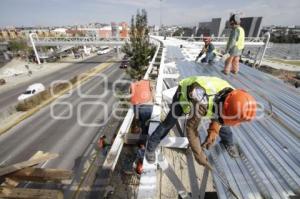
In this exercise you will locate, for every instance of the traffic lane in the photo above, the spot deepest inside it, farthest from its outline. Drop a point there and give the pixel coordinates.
(38, 123)
(42, 132)
(10, 96)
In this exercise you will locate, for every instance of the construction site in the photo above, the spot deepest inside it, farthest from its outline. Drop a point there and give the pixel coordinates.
(95, 105)
(268, 165)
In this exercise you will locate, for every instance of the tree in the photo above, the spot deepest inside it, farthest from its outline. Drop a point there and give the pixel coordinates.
(17, 45)
(138, 49)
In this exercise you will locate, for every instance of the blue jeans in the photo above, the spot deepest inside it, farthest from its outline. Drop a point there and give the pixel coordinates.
(209, 57)
(143, 114)
(226, 135)
(163, 129)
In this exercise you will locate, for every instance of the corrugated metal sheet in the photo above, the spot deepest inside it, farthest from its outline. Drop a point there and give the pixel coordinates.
(269, 163)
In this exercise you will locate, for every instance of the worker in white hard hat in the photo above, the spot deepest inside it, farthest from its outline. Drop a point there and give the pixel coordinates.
(234, 46)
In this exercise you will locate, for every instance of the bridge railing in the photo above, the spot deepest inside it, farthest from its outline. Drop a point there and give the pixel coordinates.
(221, 39)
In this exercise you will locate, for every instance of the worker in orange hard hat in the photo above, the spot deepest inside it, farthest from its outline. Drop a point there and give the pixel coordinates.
(212, 97)
(209, 51)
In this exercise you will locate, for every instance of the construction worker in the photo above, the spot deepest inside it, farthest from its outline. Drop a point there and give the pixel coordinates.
(212, 97)
(235, 45)
(208, 49)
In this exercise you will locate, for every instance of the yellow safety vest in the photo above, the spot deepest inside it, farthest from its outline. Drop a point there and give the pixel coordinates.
(240, 43)
(211, 85)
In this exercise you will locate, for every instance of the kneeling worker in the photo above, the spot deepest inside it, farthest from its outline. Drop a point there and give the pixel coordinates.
(211, 97)
(209, 50)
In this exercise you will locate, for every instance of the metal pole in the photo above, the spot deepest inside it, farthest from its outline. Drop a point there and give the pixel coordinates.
(34, 48)
(268, 35)
(160, 14)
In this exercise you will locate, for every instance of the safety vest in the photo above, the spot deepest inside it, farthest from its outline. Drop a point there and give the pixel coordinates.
(140, 92)
(240, 43)
(211, 85)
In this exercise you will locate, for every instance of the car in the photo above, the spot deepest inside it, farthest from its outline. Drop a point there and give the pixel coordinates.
(124, 62)
(31, 91)
(103, 50)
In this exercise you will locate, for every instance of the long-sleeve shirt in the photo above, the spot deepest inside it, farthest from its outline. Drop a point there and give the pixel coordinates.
(207, 48)
(231, 47)
(192, 129)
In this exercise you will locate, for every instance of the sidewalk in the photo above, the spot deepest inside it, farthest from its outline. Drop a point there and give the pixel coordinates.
(15, 71)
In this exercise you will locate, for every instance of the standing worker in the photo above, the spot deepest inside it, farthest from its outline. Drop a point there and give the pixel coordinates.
(234, 46)
(211, 97)
(209, 50)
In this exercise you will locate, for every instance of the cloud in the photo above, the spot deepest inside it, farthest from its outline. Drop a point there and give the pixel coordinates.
(51, 12)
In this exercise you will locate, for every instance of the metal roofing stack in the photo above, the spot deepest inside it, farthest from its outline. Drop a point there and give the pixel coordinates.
(269, 163)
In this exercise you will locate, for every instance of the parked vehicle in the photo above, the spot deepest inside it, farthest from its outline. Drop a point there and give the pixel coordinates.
(31, 91)
(103, 50)
(124, 62)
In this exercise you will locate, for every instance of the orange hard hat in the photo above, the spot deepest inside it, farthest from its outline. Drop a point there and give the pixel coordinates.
(139, 167)
(239, 106)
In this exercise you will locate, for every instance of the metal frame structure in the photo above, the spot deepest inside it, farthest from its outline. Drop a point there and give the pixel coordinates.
(73, 41)
(262, 42)
(63, 41)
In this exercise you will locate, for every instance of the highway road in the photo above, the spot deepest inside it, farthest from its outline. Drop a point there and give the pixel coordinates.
(9, 97)
(68, 137)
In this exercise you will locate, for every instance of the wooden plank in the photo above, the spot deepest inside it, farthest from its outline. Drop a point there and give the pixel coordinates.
(39, 174)
(204, 183)
(37, 159)
(170, 173)
(131, 138)
(114, 153)
(24, 193)
(10, 183)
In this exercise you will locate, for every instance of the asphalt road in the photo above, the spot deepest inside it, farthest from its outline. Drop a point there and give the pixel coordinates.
(9, 97)
(68, 137)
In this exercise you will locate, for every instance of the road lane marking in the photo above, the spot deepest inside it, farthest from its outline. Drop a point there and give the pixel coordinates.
(89, 74)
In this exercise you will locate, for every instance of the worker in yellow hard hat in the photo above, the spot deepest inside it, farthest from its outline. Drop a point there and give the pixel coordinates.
(212, 97)
(235, 45)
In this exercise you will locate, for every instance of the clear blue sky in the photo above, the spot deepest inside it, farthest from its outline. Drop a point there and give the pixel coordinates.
(65, 12)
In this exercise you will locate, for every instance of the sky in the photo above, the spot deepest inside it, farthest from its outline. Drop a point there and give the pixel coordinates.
(173, 12)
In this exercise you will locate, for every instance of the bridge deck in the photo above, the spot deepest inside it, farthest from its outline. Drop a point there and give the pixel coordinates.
(269, 163)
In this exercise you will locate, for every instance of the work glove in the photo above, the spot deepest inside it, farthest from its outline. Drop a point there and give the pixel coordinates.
(213, 132)
(210, 140)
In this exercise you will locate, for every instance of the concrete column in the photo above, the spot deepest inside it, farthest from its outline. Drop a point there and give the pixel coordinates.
(34, 48)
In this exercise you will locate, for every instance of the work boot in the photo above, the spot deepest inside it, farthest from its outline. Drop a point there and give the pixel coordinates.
(225, 72)
(232, 150)
(150, 156)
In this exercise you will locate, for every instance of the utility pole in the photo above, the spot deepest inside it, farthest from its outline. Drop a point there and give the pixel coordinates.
(160, 13)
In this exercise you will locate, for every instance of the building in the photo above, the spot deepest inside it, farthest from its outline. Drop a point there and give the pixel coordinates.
(209, 28)
(251, 26)
(124, 30)
(282, 34)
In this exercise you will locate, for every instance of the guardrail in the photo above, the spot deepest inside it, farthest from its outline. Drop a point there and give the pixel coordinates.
(221, 39)
(61, 41)
(116, 148)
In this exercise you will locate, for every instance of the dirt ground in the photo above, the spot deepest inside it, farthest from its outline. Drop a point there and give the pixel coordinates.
(289, 77)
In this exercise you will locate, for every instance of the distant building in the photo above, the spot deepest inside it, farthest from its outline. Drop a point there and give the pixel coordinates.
(251, 26)
(124, 30)
(282, 34)
(209, 28)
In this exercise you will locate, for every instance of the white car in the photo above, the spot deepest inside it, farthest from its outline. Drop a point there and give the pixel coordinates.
(103, 50)
(31, 91)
